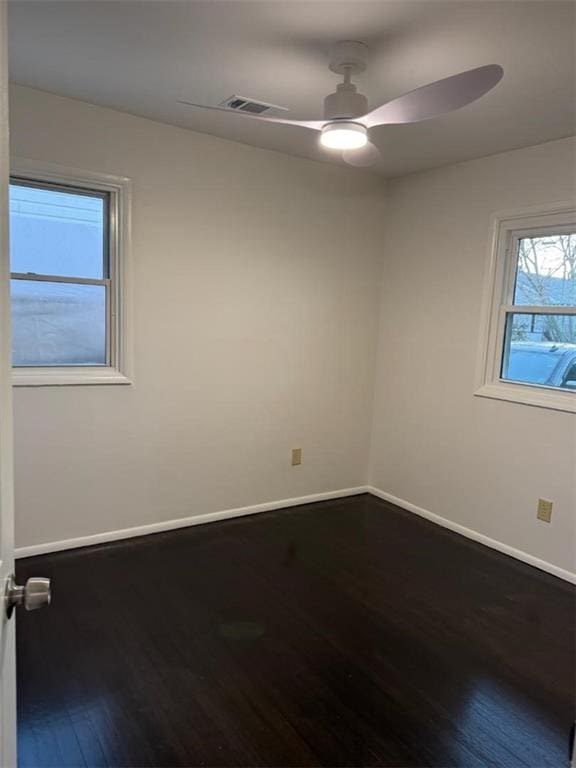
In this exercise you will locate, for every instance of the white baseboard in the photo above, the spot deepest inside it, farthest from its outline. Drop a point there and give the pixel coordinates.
(211, 517)
(184, 522)
(475, 536)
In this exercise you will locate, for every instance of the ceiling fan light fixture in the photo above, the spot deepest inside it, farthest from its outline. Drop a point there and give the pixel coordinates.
(344, 135)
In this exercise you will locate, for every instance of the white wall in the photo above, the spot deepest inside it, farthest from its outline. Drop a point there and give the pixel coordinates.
(480, 463)
(256, 290)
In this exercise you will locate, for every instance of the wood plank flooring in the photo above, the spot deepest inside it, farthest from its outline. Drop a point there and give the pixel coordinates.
(343, 633)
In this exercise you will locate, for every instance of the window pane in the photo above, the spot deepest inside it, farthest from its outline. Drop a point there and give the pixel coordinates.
(569, 380)
(58, 323)
(540, 349)
(56, 233)
(546, 273)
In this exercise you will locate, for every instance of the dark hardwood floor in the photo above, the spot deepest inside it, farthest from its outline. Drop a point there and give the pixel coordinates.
(344, 633)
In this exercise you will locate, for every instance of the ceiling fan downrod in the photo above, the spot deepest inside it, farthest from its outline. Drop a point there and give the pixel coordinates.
(348, 59)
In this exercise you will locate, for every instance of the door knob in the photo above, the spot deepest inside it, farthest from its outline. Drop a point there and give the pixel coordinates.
(34, 594)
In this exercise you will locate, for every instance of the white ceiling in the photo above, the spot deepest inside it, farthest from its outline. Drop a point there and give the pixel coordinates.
(141, 56)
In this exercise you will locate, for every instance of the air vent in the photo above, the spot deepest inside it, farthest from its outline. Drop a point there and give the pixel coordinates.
(242, 104)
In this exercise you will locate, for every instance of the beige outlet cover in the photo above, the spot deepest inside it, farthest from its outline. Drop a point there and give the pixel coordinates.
(544, 512)
(296, 456)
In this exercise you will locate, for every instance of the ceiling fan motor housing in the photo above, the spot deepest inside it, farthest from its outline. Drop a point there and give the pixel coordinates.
(344, 103)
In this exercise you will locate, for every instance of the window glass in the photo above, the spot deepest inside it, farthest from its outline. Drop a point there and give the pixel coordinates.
(570, 378)
(56, 232)
(55, 324)
(60, 271)
(540, 346)
(546, 271)
(533, 358)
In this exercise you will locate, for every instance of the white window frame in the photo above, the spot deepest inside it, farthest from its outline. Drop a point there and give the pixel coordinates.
(118, 189)
(507, 229)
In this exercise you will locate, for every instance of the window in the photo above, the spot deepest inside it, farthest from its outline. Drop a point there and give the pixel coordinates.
(67, 253)
(528, 347)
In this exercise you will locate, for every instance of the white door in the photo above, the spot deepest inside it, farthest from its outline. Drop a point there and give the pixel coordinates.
(7, 649)
(36, 591)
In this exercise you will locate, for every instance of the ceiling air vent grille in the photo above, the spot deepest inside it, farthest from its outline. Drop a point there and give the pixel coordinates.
(243, 104)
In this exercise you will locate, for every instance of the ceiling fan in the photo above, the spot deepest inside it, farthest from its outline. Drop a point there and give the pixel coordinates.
(347, 120)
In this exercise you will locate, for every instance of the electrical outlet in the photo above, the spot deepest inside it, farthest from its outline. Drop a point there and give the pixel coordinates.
(296, 457)
(544, 512)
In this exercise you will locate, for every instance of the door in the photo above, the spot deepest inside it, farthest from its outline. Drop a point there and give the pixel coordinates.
(36, 592)
(7, 634)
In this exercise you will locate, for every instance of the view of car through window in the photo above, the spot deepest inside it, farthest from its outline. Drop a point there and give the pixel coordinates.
(544, 363)
(540, 345)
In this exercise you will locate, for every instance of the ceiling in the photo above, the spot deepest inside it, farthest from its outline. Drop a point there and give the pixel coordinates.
(142, 56)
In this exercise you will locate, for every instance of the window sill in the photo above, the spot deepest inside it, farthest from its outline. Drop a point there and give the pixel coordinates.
(539, 397)
(59, 377)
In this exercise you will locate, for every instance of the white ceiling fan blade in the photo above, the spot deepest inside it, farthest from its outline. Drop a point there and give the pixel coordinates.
(364, 157)
(314, 125)
(437, 98)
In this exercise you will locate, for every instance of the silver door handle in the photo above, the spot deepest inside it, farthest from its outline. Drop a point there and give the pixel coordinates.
(34, 594)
